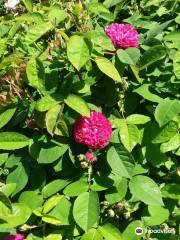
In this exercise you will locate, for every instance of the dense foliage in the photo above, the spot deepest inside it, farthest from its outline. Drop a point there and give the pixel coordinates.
(57, 65)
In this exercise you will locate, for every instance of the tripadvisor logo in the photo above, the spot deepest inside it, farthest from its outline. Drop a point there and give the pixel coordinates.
(139, 231)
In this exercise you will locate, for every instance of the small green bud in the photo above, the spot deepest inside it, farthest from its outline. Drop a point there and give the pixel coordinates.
(84, 164)
(178, 171)
(127, 205)
(111, 213)
(81, 157)
(105, 203)
(127, 215)
(6, 171)
(120, 205)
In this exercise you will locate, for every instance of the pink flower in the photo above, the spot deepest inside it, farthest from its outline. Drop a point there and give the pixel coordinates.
(11, 4)
(18, 236)
(122, 35)
(94, 131)
(89, 156)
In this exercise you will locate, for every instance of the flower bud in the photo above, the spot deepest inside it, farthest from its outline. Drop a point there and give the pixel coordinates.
(178, 171)
(120, 205)
(127, 215)
(127, 205)
(105, 203)
(81, 157)
(31, 123)
(89, 156)
(84, 164)
(111, 213)
(6, 171)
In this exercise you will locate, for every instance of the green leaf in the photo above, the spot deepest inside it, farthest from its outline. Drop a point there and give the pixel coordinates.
(129, 56)
(19, 176)
(129, 135)
(52, 118)
(78, 104)
(62, 211)
(176, 64)
(138, 169)
(101, 183)
(5, 200)
(3, 158)
(157, 216)
(37, 32)
(14, 29)
(56, 15)
(6, 115)
(35, 74)
(78, 51)
(52, 153)
(137, 119)
(51, 203)
(171, 145)
(86, 210)
(45, 104)
(145, 93)
(55, 123)
(120, 161)
(31, 17)
(177, 19)
(28, 4)
(157, 29)
(110, 3)
(109, 231)
(51, 220)
(53, 236)
(13, 160)
(118, 192)
(4, 29)
(152, 55)
(154, 155)
(108, 68)
(31, 199)
(166, 133)
(97, 8)
(129, 232)
(174, 37)
(92, 234)
(146, 190)
(12, 141)
(54, 187)
(109, 17)
(13, 59)
(171, 191)
(8, 189)
(100, 39)
(76, 188)
(166, 111)
(20, 214)
(3, 46)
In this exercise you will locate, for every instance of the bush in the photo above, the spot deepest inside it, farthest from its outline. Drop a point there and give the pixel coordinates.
(89, 118)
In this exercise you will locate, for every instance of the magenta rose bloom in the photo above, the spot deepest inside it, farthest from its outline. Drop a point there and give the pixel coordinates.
(94, 131)
(122, 35)
(18, 236)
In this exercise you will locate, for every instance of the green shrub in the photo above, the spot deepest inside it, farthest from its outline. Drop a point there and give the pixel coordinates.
(57, 65)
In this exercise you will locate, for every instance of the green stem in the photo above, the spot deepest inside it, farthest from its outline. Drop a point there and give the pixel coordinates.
(44, 230)
(90, 171)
